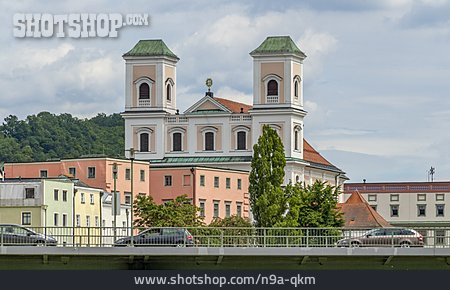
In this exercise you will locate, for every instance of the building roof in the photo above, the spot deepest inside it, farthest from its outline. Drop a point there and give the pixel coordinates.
(358, 213)
(398, 187)
(151, 47)
(277, 45)
(193, 160)
(310, 154)
(233, 106)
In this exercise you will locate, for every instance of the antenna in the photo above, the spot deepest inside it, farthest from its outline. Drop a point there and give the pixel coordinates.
(431, 173)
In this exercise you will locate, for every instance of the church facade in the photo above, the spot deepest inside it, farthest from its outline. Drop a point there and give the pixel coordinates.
(218, 132)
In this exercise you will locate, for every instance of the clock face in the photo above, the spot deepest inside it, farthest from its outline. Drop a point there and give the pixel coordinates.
(208, 82)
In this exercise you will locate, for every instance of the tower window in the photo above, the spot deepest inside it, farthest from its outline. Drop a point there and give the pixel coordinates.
(296, 139)
(209, 141)
(296, 89)
(272, 88)
(169, 92)
(144, 91)
(144, 142)
(241, 140)
(176, 141)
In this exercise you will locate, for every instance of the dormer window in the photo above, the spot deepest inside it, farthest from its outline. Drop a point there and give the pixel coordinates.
(272, 88)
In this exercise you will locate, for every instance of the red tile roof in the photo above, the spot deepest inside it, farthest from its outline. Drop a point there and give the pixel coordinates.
(310, 154)
(358, 213)
(235, 107)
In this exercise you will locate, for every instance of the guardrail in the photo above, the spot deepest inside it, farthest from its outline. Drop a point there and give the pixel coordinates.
(224, 237)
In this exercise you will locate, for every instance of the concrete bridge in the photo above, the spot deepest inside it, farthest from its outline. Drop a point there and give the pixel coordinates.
(272, 258)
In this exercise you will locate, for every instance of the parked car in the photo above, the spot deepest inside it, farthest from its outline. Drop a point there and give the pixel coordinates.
(154, 237)
(385, 237)
(15, 235)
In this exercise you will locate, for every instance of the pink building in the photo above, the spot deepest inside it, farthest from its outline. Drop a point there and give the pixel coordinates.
(95, 172)
(218, 192)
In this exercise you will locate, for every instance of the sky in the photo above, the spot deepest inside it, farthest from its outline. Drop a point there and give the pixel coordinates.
(376, 76)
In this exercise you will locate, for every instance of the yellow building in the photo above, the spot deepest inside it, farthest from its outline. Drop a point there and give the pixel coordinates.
(87, 214)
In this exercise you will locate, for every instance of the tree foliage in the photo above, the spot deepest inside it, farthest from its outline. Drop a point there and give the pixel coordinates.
(232, 221)
(312, 206)
(48, 136)
(177, 213)
(267, 198)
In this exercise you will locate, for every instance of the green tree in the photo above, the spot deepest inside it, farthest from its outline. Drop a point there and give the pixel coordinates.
(177, 213)
(232, 221)
(314, 205)
(267, 198)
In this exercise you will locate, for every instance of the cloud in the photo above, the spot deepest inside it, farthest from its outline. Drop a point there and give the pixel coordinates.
(317, 45)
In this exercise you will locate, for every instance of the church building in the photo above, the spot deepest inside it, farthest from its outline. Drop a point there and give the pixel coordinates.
(217, 132)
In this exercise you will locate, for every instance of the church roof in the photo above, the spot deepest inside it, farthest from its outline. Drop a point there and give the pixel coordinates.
(358, 213)
(151, 47)
(277, 45)
(310, 154)
(234, 107)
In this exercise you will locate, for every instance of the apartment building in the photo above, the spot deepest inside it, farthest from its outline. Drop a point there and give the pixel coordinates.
(218, 192)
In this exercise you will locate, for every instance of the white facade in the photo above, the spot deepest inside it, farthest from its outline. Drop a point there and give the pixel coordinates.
(425, 204)
(213, 130)
(123, 220)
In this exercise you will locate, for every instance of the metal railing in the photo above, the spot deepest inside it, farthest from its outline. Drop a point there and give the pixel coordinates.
(224, 237)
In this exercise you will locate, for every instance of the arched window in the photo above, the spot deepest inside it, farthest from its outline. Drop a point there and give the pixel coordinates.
(209, 141)
(144, 139)
(297, 137)
(176, 142)
(272, 88)
(169, 92)
(144, 91)
(297, 178)
(296, 89)
(241, 140)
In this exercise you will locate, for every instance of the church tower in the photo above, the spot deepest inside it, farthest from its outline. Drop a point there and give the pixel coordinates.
(278, 97)
(150, 82)
(278, 74)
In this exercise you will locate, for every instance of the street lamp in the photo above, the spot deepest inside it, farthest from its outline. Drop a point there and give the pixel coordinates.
(114, 203)
(132, 156)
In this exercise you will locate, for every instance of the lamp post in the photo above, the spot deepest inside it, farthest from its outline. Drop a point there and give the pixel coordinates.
(132, 152)
(114, 203)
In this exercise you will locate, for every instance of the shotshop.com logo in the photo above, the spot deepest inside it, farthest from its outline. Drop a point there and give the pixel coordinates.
(81, 25)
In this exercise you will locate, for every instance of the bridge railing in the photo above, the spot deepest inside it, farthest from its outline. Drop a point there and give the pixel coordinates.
(225, 237)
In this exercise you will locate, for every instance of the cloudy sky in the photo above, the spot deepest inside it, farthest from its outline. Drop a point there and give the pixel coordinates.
(377, 75)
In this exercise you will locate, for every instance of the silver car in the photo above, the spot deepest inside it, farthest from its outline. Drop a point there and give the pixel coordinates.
(385, 237)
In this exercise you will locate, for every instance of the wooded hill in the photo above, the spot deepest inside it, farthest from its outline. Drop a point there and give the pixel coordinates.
(47, 136)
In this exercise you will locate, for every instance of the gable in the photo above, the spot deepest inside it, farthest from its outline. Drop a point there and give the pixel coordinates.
(207, 104)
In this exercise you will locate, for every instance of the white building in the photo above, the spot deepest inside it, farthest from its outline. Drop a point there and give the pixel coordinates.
(411, 204)
(216, 131)
(123, 220)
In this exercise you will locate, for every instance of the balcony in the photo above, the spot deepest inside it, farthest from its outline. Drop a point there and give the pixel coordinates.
(144, 103)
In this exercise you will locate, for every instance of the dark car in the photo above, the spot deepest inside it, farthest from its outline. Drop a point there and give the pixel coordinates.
(15, 235)
(385, 237)
(154, 237)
